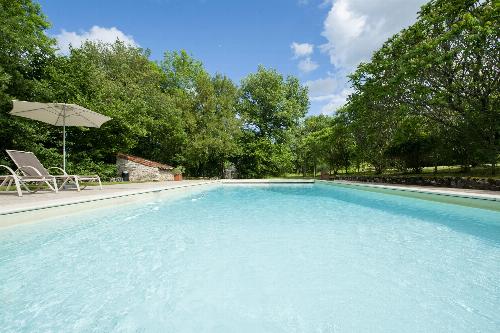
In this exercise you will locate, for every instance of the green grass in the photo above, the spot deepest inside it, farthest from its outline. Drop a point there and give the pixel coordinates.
(442, 171)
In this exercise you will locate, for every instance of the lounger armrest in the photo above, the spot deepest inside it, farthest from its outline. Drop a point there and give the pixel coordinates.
(30, 167)
(12, 172)
(59, 169)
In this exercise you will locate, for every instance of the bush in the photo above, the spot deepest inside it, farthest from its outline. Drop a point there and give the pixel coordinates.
(89, 167)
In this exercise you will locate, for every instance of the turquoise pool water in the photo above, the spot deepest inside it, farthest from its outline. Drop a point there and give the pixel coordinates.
(300, 258)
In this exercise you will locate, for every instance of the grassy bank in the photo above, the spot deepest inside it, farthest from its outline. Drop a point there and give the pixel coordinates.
(442, 171)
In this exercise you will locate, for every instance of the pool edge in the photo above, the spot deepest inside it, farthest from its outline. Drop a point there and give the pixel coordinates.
(473, 200)
(51, 210)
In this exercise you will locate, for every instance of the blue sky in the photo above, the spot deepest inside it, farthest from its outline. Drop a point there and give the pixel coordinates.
(319, 41)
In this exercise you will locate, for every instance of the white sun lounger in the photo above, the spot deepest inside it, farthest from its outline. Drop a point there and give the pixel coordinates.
(29, 166)
(20, 180)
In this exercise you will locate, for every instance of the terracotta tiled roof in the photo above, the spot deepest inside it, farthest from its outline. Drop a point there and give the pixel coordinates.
(144, 161)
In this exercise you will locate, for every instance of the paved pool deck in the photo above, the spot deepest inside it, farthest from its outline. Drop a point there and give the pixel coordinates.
(11, 203)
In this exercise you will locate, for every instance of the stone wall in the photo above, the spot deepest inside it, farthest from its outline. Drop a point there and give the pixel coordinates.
(452, 182)
(166, 175)
(139, 172)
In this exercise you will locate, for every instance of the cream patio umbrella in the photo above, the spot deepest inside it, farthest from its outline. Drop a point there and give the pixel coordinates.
(59, 114)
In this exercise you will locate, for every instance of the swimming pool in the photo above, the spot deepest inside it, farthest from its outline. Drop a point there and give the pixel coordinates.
(284, 258)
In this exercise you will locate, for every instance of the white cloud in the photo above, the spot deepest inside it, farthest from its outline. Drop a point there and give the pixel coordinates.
(96, 33)
(326, 95)
(336, 101)
(353, 30)
(307, 65)
(302, 49)
(321, 89)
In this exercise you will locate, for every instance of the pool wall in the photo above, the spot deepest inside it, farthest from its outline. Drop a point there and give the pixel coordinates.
(40, 213)
(473, 200)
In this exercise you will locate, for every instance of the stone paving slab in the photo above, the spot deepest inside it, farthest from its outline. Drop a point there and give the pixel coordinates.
(11, 203)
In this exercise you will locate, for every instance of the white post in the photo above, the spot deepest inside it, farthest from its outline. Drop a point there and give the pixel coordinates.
(64, 138)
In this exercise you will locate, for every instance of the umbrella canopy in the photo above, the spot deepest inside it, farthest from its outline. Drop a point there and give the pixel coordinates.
(59, 114)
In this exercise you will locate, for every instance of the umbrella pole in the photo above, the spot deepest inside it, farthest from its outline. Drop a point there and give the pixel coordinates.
(64, 139)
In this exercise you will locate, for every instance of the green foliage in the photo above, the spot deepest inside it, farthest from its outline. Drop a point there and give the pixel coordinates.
(24, 51)
(172, 111)
(209, 127)
(429, 96)
(412, 146)
(90, 166)
(179, 170)
(24, 47)
(271, 107)
(310, 145)
(115, 80)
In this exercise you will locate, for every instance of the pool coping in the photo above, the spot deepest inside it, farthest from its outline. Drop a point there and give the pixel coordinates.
(267, 181)
(101, 197)
(45, 210)
(64, 206)
(449, 196)
(432, 190)
(436, 191)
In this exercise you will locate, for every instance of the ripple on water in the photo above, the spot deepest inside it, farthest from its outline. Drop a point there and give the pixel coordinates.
(278, 259)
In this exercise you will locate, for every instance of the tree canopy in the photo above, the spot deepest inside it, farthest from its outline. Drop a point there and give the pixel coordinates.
(171, 111)
(429, 96)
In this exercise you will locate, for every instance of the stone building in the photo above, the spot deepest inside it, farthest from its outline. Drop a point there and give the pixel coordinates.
(140, 169)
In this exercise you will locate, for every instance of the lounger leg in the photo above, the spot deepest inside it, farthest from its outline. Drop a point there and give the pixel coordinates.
(48, 181)
(18, 187)
(64, 183)
(77, 184)
(55, 185)
(17, 184)
(26, 187)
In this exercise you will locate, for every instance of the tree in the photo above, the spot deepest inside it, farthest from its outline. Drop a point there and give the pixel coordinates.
(310, 150)
(119, 81)
(211, 128)
(413, 145)
(452, 73)
(24, 51)
(271, 108)
(441, 76)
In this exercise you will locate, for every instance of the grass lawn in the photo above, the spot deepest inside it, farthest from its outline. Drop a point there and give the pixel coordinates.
(443, 171)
